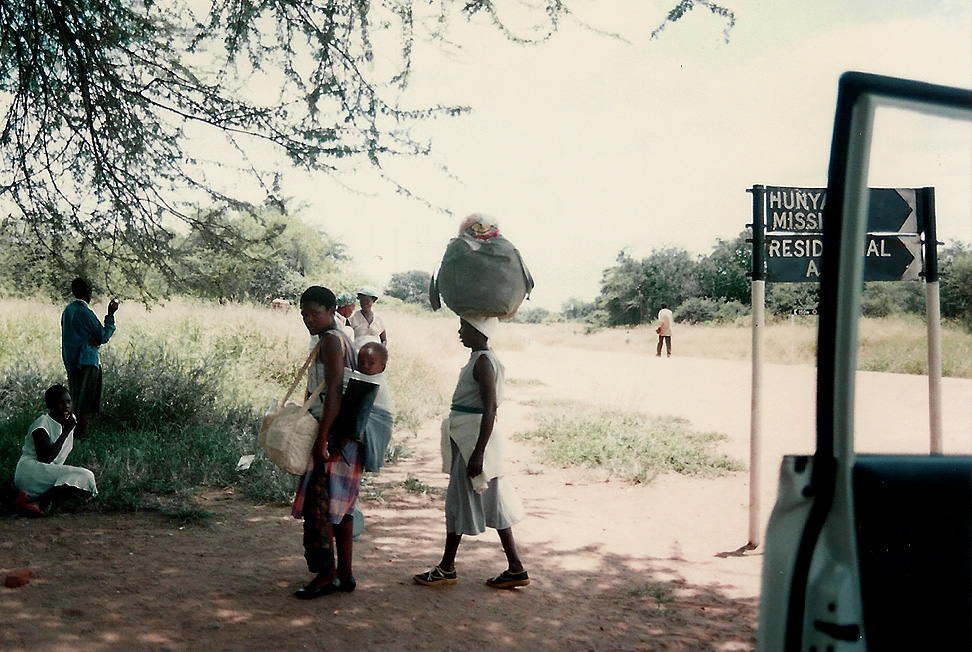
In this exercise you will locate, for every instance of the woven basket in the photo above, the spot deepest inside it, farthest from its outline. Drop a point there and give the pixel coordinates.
(288, 431)
(287, 437)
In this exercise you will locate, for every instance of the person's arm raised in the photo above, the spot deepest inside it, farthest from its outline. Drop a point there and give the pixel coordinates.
(47, 450)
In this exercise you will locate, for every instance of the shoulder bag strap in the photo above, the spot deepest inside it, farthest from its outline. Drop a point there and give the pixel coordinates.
(300, 374)
(348, 362)
(310, 399)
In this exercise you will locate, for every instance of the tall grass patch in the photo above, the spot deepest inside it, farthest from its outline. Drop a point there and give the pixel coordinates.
(629, 445)
(185, 387)
(900, 344)
(164, 430)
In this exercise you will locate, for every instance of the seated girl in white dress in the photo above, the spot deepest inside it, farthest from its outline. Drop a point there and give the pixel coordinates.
(41, 468)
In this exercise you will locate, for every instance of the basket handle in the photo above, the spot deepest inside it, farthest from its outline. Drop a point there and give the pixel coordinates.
(300, 374)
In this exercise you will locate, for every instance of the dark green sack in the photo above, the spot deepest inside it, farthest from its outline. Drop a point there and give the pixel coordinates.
(482, 278)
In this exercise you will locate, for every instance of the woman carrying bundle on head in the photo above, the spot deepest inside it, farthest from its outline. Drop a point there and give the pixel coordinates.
(479, 496)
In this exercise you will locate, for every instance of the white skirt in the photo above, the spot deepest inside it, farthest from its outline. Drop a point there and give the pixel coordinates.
(37, 478)
(468, 512)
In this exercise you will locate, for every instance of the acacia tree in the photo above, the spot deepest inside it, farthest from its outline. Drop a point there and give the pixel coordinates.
(723, 274)
(101, 101)
(411, 287)
(633, 290)
(281, 256)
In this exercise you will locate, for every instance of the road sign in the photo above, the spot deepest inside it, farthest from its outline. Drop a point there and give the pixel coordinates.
(795, 258)
(893, 211)
(801, 210)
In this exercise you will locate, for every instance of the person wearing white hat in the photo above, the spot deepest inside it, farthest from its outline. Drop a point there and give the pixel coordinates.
(479, 494)
(368, 326)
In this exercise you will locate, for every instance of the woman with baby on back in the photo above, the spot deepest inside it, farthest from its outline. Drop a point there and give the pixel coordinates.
(332, 488)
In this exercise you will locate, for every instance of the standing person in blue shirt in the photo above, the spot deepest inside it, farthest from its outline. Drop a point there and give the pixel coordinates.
(81, 335)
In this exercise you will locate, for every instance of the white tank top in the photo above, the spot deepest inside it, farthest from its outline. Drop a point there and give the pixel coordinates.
(467, 389)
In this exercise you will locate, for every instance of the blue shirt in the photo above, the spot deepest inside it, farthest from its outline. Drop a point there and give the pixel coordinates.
(79, 325)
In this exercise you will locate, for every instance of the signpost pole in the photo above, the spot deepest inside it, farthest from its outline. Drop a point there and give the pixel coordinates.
(756, 409)
(934, 320)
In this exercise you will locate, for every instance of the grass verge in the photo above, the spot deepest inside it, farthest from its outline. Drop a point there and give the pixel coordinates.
(628, 445)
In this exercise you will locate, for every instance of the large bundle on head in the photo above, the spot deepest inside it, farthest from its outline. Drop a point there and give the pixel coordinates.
(481, 272)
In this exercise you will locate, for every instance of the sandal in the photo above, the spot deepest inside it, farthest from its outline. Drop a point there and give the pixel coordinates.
(435, 576)
(508, 580)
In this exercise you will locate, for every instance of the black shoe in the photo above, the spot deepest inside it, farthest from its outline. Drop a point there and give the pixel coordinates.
(346, 584)
(307, 593)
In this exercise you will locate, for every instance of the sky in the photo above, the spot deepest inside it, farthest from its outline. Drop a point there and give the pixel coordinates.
(588, 145)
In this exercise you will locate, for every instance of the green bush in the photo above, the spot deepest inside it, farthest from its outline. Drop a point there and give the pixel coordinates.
(731, 311)
(783, 298)
(595, 321)
(163, 431)
(886, 299)
(697, 311)
(531, 315)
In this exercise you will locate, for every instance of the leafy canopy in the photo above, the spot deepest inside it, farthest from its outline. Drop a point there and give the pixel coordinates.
(110, 110)
(411, 287)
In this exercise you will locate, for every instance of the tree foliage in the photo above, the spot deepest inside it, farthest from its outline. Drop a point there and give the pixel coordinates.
(685, 6)
(955, 283)
(717, 287)
(411, 287)
(633, 290)
(227, 256)
(575, 309)
(280, 256)
(724, 274)
(105, 103)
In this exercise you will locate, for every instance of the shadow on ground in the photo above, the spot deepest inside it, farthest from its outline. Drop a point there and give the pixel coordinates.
(144, 582)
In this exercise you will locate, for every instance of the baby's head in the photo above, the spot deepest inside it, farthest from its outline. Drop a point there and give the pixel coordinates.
(372, 358)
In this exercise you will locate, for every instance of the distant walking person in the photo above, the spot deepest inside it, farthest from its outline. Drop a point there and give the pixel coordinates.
(664, 330)
(81, 336)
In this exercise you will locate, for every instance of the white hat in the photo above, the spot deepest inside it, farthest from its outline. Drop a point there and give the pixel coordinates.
(368, 292)
(485, 325)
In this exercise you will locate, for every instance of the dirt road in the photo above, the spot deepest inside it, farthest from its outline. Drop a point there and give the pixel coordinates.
(616, 566)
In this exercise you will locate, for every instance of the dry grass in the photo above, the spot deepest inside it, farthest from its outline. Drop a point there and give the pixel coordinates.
(784, 343)
(271, 344)
(893, 344)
